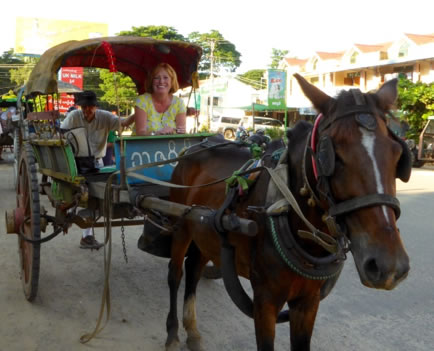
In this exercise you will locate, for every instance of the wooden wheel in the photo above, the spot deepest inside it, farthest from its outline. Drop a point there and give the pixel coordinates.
(229, 134)
(18, 141)
(28, 202)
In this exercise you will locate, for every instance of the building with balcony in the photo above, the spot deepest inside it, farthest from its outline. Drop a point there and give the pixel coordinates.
(362, 66)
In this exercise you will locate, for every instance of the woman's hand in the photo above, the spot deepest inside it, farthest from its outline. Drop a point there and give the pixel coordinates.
(166, 130)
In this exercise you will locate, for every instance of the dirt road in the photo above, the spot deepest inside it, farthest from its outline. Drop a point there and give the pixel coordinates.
(352, 318)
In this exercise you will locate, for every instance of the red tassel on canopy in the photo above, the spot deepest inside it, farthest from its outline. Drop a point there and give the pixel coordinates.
(109, 53)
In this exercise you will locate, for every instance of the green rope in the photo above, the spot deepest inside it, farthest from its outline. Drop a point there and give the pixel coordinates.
(288, 262)
(236, 179)
(256, 151)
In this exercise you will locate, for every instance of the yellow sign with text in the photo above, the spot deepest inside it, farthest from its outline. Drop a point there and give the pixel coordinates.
(36, 35)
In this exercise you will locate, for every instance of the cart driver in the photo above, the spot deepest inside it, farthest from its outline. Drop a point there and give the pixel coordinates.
(97, 123)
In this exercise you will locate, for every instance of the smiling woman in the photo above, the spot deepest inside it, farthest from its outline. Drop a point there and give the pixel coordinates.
(158, 111)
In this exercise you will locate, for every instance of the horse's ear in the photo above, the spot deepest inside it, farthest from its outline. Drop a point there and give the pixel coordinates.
(318, 98)
(388, 94)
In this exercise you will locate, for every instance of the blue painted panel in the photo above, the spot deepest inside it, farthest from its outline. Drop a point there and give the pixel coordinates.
(144, 150)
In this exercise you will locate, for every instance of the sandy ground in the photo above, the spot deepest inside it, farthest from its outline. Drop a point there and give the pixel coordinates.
(353, 317)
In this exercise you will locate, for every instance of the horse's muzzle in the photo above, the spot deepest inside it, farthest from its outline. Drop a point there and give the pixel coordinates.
(381, 264)
(379, 273)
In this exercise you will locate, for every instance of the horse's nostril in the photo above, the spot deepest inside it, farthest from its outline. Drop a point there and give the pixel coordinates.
(372, 270)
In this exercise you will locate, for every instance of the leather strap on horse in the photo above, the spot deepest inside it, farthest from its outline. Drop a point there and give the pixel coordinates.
(325, 240)
(229, 274)
(230, 277)
(365, 201)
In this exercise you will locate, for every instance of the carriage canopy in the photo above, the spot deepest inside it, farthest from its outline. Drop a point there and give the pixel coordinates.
(133, 56)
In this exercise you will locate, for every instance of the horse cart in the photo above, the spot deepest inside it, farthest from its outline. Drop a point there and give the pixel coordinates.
(285, 218)
(47, 165)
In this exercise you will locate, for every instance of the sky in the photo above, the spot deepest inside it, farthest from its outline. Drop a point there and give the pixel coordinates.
(254, 27)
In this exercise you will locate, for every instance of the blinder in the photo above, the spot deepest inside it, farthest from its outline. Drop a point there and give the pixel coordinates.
(403, 169)
(325, 156)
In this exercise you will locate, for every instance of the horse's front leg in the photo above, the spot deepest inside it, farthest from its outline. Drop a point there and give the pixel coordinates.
(178, 250)
(194, 265)
(265, 316)
(302, 314)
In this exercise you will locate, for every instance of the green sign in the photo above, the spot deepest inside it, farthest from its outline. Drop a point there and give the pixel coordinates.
(276, 89)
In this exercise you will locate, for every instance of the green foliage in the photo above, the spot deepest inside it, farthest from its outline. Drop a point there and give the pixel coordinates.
(253, 78)
(155, 32)
(274, 133)
(19, 76)
(8, 58)
(416, 101)
(225, 54)
(277, 56)
(122, 93)
(204, 128)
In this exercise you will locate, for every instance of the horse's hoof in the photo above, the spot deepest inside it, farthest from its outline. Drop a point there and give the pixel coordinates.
(194, 344)
(172, 345)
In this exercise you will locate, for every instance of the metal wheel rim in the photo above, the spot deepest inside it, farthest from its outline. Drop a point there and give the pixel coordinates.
(28, 200)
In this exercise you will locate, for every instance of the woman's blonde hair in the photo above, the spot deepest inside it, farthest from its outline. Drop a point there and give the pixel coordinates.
(170, 71)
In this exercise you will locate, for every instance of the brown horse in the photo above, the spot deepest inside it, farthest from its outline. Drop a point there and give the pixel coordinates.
(342, 175)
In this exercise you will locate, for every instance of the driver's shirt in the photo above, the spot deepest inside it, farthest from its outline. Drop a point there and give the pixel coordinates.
(97, 131)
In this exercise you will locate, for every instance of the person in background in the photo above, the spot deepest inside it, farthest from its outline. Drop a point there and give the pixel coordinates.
(6, 129)
(108, 158)
(97, 123)
(158, 111)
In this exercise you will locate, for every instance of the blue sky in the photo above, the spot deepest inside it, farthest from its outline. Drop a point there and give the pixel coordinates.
(255, 27)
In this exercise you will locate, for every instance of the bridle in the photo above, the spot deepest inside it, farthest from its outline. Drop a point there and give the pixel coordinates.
(322, 156)
(319, 153)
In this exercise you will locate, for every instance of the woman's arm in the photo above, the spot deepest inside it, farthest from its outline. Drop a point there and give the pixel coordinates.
(125, 122)
(180, 121)
(141, 119)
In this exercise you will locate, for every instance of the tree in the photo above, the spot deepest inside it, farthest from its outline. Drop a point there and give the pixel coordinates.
(20, 75)
(277, 56)
(225, 55)
(254, 78)
(8, 58)
(122, 93)
(416, 101)
(155, 32)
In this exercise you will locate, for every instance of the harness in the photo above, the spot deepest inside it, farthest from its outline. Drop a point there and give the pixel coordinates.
(279, 200)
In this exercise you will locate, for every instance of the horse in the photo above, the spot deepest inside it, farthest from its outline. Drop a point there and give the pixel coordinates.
(330, 190)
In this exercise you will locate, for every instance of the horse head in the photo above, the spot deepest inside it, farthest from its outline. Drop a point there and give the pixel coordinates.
(355, 162)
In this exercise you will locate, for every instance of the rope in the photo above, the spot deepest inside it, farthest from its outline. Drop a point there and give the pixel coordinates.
(105, 299)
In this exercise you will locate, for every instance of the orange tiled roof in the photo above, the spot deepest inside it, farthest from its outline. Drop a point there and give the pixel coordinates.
(295, 61)
(369, 48)
(329, 55)
(421, 39)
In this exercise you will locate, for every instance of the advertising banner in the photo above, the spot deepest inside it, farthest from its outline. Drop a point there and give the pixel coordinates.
(276, 89)
(72, 75)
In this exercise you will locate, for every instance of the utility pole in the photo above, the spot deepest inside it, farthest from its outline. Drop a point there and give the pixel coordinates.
(211, 90)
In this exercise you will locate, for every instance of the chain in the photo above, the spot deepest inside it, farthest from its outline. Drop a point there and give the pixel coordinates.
(124, 247)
